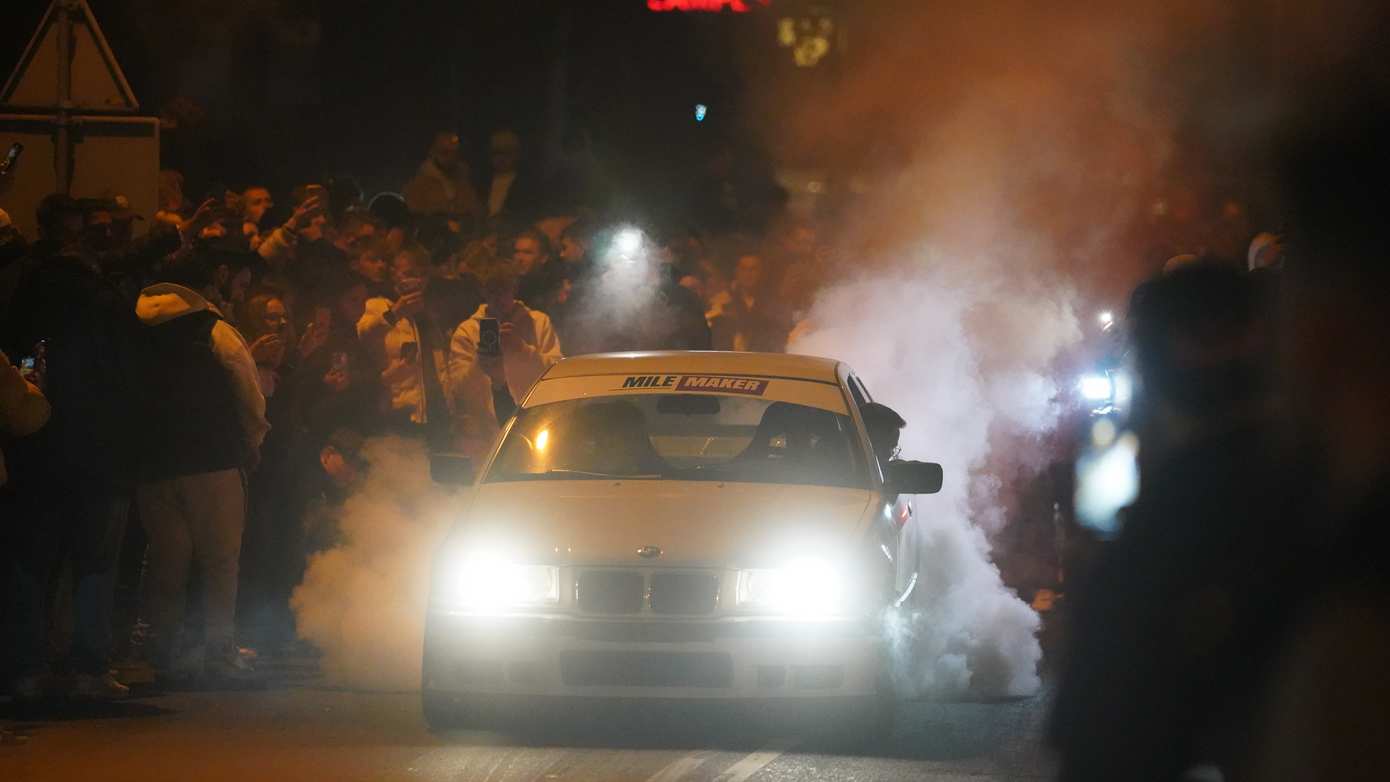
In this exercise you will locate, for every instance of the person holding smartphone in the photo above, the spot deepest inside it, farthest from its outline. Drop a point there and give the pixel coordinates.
(408, 347)
(497, 354)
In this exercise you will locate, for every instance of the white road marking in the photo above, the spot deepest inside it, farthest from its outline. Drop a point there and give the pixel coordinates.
(678, 768)
(754, 762)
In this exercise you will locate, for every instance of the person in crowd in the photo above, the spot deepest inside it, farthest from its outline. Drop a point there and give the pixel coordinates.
(575, 241)
(488, 379)
(370, 262)
(543, 283)
(396, 221)
(1320, 708)
(442, 185)
(270, 549)
(408, 349)
(172, 206)
(744, 318)
(71, 481)
(255, 202)
(265, 323)
(802, 267)
(306, 224)
(206, 414)
(337, 304)
(507, 187)
(13, 245)
(1157, 650)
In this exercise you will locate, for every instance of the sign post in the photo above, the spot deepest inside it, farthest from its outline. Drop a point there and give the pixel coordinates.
(68, 101)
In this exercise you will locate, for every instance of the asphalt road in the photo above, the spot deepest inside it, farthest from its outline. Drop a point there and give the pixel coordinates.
(302, 730)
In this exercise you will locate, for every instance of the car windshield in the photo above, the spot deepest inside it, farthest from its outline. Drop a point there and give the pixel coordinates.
(681, 437)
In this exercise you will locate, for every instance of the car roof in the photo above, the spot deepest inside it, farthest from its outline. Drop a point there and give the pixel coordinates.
(712, 362)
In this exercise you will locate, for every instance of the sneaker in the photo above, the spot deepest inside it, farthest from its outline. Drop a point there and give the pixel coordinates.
(97, 686)
(229, 669)
(134, 671)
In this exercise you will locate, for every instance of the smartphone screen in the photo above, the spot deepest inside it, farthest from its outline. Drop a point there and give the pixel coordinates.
(489, 337)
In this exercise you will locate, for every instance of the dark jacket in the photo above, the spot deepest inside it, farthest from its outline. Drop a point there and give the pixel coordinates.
(202, 408)
(189, 400)
(89, 338)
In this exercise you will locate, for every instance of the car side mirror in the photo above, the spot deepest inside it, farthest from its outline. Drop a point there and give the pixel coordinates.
(451, 468)
(902, 477)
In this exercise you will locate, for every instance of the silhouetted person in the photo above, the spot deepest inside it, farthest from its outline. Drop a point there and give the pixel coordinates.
(1321, 712)
(442, 184)
(1158, 621)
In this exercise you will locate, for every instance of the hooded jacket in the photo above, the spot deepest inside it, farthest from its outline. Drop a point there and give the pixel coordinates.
(204, 407)
(471, 388)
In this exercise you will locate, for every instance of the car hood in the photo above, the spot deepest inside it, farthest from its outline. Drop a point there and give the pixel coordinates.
(693, 523)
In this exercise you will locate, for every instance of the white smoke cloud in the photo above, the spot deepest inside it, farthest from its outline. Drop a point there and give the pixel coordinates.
(961, 349)
(363, 602)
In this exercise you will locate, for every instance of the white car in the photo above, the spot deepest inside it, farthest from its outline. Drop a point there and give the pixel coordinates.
(686, 525)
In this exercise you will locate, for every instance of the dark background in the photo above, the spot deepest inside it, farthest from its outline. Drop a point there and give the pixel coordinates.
(288, 91)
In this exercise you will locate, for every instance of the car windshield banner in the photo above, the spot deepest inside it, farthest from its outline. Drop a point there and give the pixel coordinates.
(720, 383)
(826, 396)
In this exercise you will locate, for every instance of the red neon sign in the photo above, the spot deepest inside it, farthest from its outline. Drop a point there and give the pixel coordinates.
(715, 6)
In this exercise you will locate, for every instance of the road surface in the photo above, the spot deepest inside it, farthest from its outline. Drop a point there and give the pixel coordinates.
(304, 730)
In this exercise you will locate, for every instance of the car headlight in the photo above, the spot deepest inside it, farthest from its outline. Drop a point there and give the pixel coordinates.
(490, 582)
(1096, 388)
(803, 587)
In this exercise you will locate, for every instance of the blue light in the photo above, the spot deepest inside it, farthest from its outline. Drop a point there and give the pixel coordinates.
(700, 111)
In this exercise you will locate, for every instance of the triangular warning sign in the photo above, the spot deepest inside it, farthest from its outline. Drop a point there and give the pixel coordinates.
(97, 83)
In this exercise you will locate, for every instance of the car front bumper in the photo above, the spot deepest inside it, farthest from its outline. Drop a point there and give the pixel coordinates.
(723, 659)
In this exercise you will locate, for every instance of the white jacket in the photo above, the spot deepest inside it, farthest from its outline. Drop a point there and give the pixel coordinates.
(404, 379)
(471, 388)
(164, 302)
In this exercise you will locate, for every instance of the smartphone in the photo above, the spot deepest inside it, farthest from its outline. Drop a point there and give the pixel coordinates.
(489, 337)
(409, 285)
(11, 158)
(28, 369)
(409, 350)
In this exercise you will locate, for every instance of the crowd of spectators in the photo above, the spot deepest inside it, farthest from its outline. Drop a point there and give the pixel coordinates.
(213, 372)
(215, 379)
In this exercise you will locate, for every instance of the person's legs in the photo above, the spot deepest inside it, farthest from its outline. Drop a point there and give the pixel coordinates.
(94, 577)
(166, 574)
(38, 536)
(216, 504)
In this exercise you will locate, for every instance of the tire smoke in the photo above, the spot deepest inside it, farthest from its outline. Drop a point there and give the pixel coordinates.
(962, 355)
(362, 603)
